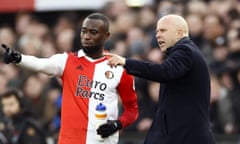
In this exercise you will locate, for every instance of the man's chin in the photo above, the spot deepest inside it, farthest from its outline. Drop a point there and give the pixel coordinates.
(86, 49)
(90, 49)
(163, 49)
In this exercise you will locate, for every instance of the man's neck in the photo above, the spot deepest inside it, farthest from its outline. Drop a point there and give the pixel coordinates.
(95, 56)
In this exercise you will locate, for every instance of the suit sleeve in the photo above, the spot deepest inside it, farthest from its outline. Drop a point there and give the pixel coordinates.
(173, 67)
(128, 97)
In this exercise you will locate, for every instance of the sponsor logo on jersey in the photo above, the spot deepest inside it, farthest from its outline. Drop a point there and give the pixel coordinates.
(97, 88)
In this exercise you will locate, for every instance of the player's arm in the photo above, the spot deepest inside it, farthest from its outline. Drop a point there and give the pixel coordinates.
(128, 97)
(50, 66)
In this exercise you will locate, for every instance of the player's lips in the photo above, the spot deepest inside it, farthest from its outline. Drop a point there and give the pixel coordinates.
(86, 44)
(161, 43)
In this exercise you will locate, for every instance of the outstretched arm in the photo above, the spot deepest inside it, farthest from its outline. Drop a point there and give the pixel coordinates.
(173, 67)
(50, 66)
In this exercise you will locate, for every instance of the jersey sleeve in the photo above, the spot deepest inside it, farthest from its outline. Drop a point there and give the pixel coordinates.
(52, 66)
(128, 97)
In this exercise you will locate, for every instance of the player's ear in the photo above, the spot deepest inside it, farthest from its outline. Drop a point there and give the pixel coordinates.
(107, 35)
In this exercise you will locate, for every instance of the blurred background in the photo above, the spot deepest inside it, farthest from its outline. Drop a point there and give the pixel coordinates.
(45, 27)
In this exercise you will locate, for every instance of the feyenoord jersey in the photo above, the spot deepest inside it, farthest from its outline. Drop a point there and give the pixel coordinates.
(86, 83)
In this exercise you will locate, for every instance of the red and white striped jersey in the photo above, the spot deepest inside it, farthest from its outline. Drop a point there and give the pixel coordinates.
(86, 83)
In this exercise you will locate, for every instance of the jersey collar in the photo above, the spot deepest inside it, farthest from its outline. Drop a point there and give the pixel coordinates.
(81, 53)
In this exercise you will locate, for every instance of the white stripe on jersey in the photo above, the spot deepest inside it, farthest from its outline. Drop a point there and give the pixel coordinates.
(110, 98)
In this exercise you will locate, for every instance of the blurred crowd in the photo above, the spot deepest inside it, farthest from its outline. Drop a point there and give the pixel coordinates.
(214, 27)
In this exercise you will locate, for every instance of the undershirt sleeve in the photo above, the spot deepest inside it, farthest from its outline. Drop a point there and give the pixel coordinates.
(52, 66)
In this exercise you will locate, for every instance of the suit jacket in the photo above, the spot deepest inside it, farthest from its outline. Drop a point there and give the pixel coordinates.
(184, 98)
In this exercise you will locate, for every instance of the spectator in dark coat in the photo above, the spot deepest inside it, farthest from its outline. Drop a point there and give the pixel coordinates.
(183, 108)
(21, 127)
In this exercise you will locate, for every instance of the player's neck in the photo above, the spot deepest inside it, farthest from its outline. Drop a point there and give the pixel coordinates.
(95, 55)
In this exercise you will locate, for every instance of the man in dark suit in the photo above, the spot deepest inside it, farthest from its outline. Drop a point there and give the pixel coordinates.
(183, 108)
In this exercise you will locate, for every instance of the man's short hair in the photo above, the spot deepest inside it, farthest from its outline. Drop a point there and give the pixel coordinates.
(13, 93)
(99, 16)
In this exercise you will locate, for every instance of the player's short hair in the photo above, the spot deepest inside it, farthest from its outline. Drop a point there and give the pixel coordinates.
(99, 16)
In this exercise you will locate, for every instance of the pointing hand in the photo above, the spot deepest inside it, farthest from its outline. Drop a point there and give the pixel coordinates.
(10, 55)
(115, 60)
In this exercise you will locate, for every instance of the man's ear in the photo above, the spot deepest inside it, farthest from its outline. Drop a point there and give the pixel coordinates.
(179, 32)
(107, 35)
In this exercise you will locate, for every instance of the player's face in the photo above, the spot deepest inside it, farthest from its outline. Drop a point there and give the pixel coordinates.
(93, 35)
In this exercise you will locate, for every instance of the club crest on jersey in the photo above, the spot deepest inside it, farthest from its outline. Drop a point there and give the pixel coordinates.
(109, 74)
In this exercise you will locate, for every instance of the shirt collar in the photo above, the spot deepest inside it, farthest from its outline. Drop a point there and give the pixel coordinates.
(81, 53)
(180, 41)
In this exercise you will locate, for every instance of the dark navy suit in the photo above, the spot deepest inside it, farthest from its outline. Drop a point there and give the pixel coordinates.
(183, 108)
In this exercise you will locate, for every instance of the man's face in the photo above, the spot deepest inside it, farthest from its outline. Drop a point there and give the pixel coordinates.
(11, 106)
(93, 35)
(166, 34)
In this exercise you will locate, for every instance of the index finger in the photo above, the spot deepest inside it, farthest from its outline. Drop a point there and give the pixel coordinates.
(5, 47)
